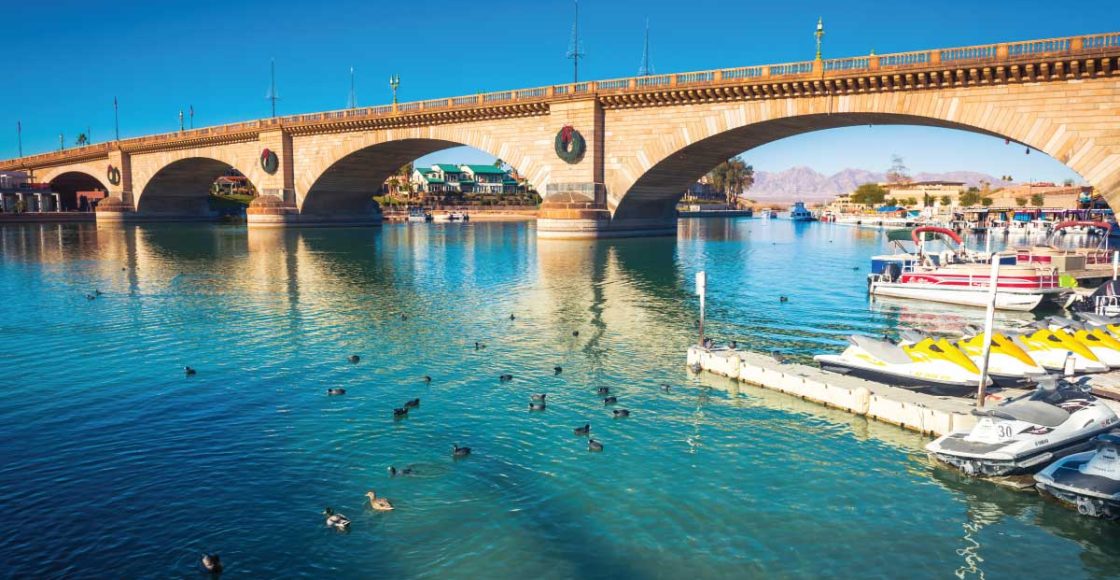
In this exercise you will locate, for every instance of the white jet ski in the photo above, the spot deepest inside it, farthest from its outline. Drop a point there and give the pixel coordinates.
(1099, 341)
(935, 367)
(1008, 365)
(1089, 481)
(1024, 434)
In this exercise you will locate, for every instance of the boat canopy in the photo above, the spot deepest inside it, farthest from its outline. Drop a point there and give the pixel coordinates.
(916, 233)
(1107, 227)
(889, 208)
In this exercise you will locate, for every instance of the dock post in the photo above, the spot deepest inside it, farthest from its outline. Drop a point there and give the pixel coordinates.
(701, 290)
(989, 322)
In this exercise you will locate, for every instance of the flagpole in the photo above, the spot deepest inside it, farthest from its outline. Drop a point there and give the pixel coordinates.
(192, 116)
(116, 119)
(19, 136)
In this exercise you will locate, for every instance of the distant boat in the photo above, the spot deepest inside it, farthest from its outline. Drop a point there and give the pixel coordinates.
(798, 213)
(418, 214)
(767, 213)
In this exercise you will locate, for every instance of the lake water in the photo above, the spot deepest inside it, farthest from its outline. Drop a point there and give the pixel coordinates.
(117, 464)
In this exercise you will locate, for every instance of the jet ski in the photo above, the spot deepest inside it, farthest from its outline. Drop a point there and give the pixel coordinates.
(935, 367)
(1008, 365)
(1108, 323)
(1024, 434)
(1050, 348)
(1099, 341)
(1089, 480)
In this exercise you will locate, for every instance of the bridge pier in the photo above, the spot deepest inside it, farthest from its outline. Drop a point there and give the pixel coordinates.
(578, 211)
(270, 212)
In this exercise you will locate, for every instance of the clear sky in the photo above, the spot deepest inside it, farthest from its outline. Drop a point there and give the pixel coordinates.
(66, 60)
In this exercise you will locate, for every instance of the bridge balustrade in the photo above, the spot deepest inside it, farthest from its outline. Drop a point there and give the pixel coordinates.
(657, 81)
(904, 58)
(471, 100)
(796, 68)
(1100, 41)
(696, 77)
(966, 54)
(1038, 47)
(614, 84)
(744, 72)
(532, 93)
(496, 97)
(413, 106)
(856, 63)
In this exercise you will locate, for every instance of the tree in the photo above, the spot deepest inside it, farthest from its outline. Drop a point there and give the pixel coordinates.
(1038, 200)
(869, 194)
(969, 198)
(81, 140)
(927, 200)
(1020, 201)
(499, 163)
(1068, 182)
(946, 200)
(732, 177)
(898, 173)
(909, 202)
(986, 201)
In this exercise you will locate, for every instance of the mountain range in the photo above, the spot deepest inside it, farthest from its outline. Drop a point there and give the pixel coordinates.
(806, 184)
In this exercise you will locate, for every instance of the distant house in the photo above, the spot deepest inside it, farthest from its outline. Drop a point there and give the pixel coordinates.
(446, 178)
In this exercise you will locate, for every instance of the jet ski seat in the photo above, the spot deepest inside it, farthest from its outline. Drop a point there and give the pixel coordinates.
(881, 349)
(1034, 412)
(911, 336)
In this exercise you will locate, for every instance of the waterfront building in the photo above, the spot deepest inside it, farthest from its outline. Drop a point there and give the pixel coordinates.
(918, 190)
(19, 194)
(447, 178)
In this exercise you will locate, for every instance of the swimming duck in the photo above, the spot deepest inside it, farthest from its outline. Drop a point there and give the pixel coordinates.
(90, 297)
(400, 413)
(336, 391)
(665, 387)
(336, 521)
(457, 451)
(539, 396)
(783, 299)
(378, 503)
(512, 317)
(505, 378)
(479, 345)
(557, 370)
(412, 403)
(593, 445)
(575, 333)
(427, 379)
(536, 406)
(603, 390)
(733, 344)
(695, 368)
(212, 563)
(393, 471)
(619, 413)
(586, 429)
(354, 359)
(97, 293)
(404, 316)
(610, 400)
(189, 371)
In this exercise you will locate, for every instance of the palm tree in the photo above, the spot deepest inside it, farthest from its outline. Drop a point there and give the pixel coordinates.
(81, 140)
(732, 177)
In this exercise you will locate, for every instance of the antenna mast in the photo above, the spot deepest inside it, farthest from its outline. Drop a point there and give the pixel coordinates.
(353, 102)
(645, 70)
(574, 52)
(272, 89)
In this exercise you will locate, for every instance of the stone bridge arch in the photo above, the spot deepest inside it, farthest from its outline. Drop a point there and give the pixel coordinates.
(67, 180)
(341, 173)
(647, 171)
(178, 182)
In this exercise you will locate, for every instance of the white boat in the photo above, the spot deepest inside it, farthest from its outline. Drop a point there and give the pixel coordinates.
(418, 214)
(959, 277)
(458, 216)
(798, 213)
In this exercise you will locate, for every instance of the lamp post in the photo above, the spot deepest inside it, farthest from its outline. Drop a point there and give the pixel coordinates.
(180, 120)
(116, 119)
(819, 34)
(61, 146)
(19, 136)
(394, 83)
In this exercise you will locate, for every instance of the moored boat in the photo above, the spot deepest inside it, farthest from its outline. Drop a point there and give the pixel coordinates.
(1088, 481)
(419, 214)
(799, 213)
(931, 366)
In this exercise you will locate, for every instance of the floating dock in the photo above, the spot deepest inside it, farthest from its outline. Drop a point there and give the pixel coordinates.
(927, 414)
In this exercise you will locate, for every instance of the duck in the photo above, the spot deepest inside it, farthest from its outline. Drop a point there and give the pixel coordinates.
(189, 371)
(575, 333)
(666, 387)
(212, 563)
(354, 359)
(593, 445)
(585, 430)
(404, 316)
(393, 471)
(336, 521)
(557, 370)
(603, 390)
(97, 293)
(90, 297)
(536, 406)
(336, 391)
(457, 451)
(695, 368)
(610, 400)
(620, 413)
(479, 345)
(505, 378)
(777, 356)
(400, 413)
(412, 403)
(539, 396)
(783, 299)
(733, 344)
(427, 379)
(378, 503)
(512, 317)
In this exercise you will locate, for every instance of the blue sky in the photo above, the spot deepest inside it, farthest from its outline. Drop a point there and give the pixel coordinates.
(72, 58)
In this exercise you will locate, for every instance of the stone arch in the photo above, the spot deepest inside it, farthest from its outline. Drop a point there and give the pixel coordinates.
(347, 173)
(651, 176)
(181, 187)
(67, 182)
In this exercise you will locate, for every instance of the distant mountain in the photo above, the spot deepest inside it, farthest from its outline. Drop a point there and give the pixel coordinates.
(806, 184)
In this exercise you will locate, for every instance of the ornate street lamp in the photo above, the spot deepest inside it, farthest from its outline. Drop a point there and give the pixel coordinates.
(819, 34)
(394, 82)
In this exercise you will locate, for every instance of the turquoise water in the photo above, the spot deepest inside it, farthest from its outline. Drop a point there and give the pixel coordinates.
(115, 463)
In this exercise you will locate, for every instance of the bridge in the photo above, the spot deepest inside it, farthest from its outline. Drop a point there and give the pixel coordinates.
(612, 157)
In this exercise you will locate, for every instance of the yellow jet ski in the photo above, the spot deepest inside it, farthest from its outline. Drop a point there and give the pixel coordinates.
(1008, 364)
(932, 366)
(1101, 342)
(1050, 348)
